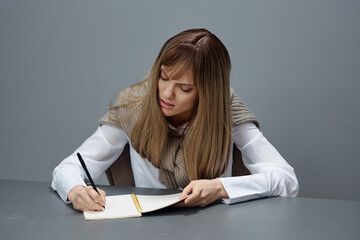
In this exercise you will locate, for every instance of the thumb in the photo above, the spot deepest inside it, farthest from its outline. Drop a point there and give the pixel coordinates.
(187, 190)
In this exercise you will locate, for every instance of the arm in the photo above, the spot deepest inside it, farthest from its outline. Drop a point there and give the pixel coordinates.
(99, 151)
(271, 174)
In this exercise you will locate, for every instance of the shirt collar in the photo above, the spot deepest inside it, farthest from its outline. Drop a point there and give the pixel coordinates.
(180, 130)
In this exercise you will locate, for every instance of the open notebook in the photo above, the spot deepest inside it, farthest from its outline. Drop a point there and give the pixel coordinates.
(131, 205)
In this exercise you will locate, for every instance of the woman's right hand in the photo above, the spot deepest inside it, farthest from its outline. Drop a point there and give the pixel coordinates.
(86, 198)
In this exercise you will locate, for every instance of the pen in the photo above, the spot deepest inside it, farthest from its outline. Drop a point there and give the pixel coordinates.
(88, 174)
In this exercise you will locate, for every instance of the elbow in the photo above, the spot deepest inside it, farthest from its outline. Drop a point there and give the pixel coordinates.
(292, 187)
(283, 183)
(55, 174)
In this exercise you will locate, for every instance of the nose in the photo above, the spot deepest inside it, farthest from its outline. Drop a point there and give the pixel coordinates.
(169, 91)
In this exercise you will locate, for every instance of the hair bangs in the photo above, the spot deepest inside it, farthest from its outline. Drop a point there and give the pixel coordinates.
(180, 59)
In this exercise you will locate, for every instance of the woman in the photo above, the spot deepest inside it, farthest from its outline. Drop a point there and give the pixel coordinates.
(181, 121)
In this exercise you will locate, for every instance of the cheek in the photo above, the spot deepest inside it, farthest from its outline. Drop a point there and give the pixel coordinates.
(190, 101)
(159, 88)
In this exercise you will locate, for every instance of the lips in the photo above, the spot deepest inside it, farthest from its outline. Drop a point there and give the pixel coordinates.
(166, 104)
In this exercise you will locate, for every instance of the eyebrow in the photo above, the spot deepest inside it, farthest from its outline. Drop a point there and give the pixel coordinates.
(183, 84)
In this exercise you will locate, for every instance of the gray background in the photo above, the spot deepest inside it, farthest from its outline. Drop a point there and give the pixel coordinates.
(296, 64)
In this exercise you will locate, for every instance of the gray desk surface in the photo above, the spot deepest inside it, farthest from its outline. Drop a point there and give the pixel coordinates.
(31, 210)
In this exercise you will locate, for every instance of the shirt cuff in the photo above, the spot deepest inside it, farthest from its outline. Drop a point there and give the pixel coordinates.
(64, 187)
(245, 188)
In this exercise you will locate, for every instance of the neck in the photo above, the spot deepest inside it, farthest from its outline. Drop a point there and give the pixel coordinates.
(176, 124)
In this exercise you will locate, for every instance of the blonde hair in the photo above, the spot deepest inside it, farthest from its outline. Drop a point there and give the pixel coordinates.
(207, 142)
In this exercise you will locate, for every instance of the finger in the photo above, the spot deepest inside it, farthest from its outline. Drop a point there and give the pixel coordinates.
(203, 204)
(190, 202)
(102, 194)
(187, 190)
(90, 204)
(192, 198)
(96, 197)
(179, 204)
(203, 201)
(84, 202)
(199, 202)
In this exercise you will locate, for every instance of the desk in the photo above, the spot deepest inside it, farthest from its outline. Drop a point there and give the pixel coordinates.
(31, 210)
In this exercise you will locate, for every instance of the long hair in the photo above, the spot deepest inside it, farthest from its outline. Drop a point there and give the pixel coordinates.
(207, 142)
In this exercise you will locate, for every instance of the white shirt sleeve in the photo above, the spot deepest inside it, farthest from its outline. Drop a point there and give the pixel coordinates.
(270, 175)
(99, 151)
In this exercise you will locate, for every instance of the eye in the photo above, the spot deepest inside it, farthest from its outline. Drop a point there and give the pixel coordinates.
(163, 76)
(185, 89)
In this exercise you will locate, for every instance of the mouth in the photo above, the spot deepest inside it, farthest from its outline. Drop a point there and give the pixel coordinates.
(166, 104)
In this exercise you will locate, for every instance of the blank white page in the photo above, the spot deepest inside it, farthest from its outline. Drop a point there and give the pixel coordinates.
(119, 206)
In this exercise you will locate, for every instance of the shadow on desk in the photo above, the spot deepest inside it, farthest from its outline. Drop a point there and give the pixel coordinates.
(180, 211)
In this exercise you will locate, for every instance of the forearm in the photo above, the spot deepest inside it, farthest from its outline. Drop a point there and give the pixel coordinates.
(99, 151)
(267, 184)
(271, 174)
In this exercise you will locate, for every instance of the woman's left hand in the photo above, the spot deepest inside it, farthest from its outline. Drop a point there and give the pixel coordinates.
(203, 192)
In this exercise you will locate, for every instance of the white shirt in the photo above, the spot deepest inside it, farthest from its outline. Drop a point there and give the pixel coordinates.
(270, 175)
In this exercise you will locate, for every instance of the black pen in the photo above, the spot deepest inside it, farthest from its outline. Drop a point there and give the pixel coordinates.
(88, 174)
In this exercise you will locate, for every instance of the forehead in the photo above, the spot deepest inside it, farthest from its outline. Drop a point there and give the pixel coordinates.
(179, 73)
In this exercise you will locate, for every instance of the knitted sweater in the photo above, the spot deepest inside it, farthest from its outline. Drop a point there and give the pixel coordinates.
(172, 171)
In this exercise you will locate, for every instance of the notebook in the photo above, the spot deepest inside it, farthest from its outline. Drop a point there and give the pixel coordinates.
(131, 205)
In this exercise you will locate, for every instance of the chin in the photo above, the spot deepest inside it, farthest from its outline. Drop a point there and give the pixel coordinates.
(166, 113)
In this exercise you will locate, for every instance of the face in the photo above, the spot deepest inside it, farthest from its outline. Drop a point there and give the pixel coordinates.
(177, 97)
